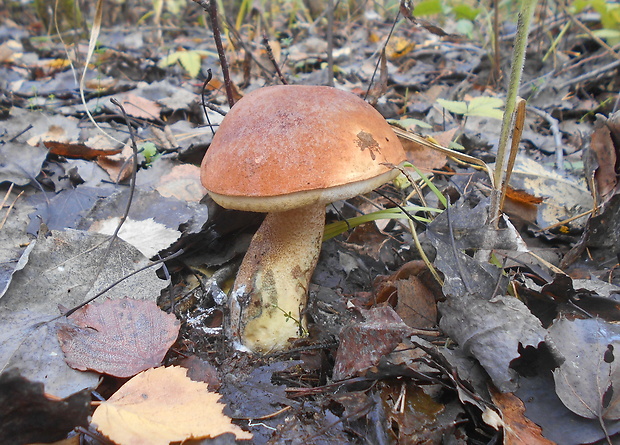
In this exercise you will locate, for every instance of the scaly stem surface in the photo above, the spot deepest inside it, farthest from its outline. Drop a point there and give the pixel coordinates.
(271, 288)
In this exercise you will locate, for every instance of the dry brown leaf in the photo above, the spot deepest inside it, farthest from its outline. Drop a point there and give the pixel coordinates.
(518, 429)
(77, 151)
(410, 294)
(522, 204)
(606, 152)
(118, 337)
(183, 183)
(425, 158)
(139, 107)
(118, 166)
(163, 405)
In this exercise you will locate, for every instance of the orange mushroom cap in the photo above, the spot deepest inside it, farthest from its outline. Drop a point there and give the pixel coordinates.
(287, 146)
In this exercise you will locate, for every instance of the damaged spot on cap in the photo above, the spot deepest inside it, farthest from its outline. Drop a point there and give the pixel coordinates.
(366, 141)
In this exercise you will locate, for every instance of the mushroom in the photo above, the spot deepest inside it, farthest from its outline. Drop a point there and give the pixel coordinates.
(288, 151)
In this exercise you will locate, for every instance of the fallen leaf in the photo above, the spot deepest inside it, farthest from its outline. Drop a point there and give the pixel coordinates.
(413, 300)
(163, 405)
(606, 153)
(518, 429)
(77, 151)
(183, 183)
(27, 415)
(363, 344)
(587, 381)
(118, 337)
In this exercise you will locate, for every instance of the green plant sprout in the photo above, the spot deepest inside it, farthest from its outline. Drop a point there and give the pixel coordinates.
(289, 316)
(150, 153)
(336, 228)
(478, 106)
(518, 60)
(442, 199)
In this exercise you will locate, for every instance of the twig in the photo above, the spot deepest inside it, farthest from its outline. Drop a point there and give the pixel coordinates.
(8, 211)
(240, 42)
(593, 36)
(132, 184)
(6, 196)
(273, 60)
(330, 43)
(589, 75)
(374, 73)
(210, 6)
(203, 101)
(117, 282)
(554, 125)
(215, 108)
(14, 138)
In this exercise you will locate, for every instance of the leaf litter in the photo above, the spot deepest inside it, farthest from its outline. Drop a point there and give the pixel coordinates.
(416, 388)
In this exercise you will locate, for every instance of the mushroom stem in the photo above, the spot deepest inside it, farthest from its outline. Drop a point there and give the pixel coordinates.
(271, 288)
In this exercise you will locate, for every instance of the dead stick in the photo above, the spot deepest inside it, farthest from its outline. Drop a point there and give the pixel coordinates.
(210, 6)
(273, 60)
(330, 43)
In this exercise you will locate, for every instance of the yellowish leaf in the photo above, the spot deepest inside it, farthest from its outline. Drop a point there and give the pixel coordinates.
(162, 405)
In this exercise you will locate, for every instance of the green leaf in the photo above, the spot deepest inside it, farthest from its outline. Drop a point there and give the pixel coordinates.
(465, 27)
(453, 106)
(170, 59)
(479, 106)
(338, 227)
(148, 150)
(410, 122)
(464, 11)
(428, 7)
(486, 106)
(190, 60)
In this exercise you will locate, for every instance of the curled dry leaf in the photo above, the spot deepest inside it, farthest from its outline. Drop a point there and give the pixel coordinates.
(587, 381)
(163, 405)
(118, 337)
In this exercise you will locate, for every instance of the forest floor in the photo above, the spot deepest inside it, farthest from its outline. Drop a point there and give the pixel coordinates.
(463, 333)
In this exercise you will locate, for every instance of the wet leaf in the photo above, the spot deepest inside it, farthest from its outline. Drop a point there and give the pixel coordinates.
(77, 151)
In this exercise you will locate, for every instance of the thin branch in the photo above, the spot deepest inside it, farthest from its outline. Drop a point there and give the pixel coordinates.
(272, 59)
(554, 125)
(330, 43)
(117, 282)
(387, 40)
(593, 36)
(210, 6)
(204, 102)
(589, 75)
